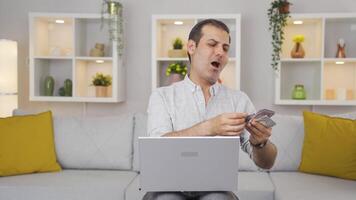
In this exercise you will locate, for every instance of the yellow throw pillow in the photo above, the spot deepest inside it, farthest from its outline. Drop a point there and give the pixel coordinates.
(27, 145)
(329, 146)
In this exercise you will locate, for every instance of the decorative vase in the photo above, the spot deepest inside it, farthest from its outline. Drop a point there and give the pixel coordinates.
(349, 94)
(330, 94)
(101, 91)
(174, 78)
(177, 53)
(68, 88)
(297, 51)
(49, 86)
(340, 51)
(299, 92)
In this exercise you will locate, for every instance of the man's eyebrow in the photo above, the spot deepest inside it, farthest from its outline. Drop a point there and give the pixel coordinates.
(225, 44)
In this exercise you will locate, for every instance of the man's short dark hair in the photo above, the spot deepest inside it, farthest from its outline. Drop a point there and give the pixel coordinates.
(196, 34)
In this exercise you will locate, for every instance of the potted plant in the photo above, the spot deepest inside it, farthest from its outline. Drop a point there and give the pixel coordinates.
(177, 50)
(278, 14)
(176, 71)
(101, 83)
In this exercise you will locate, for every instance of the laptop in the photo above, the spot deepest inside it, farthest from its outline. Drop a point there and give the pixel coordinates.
(189, 163)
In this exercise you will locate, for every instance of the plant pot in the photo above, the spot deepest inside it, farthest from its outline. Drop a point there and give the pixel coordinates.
(177, 53)
(297, 51)
(174, 78)
(284, 9)
(101, 91)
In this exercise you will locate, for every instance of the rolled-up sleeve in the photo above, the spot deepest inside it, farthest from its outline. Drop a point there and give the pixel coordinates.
(159, 121)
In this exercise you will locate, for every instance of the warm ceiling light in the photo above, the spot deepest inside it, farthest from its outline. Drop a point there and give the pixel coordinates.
(339, 62)
(297, 22)
(178, 22)
(59, 21)
(99, 61)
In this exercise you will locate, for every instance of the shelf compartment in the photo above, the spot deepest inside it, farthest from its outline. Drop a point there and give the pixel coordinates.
(228, 76)
(312, 31)
(305, 73)
(85, 69)
(59, 69)
(163, 80)
(339, 80)
(167, 31)
(51, 38)
(88, 32)
(340, 28)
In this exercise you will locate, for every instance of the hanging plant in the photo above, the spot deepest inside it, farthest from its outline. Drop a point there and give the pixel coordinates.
(278, 14)
(115, 23)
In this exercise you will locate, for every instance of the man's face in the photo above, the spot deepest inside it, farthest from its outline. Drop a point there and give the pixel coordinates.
(209, 58)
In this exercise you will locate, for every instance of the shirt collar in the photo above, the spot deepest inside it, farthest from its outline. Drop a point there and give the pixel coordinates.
(194, 87)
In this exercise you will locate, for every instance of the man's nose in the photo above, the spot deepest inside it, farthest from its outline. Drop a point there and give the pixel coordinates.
(219, 51)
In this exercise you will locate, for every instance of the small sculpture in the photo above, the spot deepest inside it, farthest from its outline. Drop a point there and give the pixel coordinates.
(49, 86)
(98, 50)
(341, 49)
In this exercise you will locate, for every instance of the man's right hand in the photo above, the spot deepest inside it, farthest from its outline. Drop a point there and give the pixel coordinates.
(227, 124)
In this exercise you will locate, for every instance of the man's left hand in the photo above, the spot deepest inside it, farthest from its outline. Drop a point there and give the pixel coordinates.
(259, 133)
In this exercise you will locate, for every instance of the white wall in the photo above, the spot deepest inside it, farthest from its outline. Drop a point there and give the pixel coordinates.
(257, 75)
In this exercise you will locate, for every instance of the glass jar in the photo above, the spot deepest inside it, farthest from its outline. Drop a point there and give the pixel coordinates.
(299, 92)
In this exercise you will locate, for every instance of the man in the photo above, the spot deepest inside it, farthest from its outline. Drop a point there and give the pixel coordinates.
(200, 106)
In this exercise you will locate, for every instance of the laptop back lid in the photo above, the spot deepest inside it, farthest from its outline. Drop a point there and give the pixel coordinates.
(189, 163)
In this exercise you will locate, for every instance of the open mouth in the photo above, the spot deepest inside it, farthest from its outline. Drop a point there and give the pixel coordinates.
(215, 64)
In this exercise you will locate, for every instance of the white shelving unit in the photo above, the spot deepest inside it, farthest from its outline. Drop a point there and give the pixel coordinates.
(61, 50)
(164, 31)
(327, 80)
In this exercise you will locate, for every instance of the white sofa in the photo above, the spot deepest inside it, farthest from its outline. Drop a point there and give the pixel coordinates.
(99, 157)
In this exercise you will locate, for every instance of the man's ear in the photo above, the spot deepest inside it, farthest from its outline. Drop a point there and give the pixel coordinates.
(191, 45)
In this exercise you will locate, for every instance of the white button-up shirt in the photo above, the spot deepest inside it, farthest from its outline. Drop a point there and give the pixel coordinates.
(182, 105)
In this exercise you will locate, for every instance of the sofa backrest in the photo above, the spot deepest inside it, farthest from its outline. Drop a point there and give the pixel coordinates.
(93, 142)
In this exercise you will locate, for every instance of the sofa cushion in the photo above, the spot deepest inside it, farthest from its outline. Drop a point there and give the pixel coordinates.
(288, 137)
(27, 145)
(94, 142)
(68, 185)
(297, 185)
(329, 146)
(251, 186)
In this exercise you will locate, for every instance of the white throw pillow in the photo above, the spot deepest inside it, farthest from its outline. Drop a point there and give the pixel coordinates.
(94, 143)
(288, 136)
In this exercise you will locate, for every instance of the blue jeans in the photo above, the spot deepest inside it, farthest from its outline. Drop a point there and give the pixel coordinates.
(218, 195)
